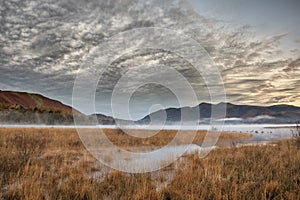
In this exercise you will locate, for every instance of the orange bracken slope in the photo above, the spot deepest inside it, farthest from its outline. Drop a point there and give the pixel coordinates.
(21, 100)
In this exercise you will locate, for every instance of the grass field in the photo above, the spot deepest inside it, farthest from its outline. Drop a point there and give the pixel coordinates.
(53, 164)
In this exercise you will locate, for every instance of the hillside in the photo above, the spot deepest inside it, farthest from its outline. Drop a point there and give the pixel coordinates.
(27, 108)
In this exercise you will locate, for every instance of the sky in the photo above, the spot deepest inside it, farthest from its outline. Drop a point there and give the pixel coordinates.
(45, 46)
(265, 17)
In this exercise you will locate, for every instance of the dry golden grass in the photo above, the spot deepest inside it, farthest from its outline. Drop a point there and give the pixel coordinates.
(163, 137)
(265, 172)
(53, 164)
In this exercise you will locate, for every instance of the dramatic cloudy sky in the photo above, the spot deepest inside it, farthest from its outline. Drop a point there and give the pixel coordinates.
(254, 45)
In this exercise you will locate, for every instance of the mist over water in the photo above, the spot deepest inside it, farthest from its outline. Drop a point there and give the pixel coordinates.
(260, 132)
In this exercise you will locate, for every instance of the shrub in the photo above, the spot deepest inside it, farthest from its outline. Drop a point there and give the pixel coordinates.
(296, 134)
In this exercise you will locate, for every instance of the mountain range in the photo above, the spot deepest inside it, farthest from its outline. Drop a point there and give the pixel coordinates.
(235, 114)
(28, 108)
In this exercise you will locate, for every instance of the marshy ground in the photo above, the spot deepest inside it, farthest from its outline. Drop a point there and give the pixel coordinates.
(53, 164)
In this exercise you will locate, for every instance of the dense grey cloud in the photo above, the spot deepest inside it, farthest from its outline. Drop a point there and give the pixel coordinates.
(43, 43)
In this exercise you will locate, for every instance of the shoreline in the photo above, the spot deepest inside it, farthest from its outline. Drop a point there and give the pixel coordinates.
(158, 127)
